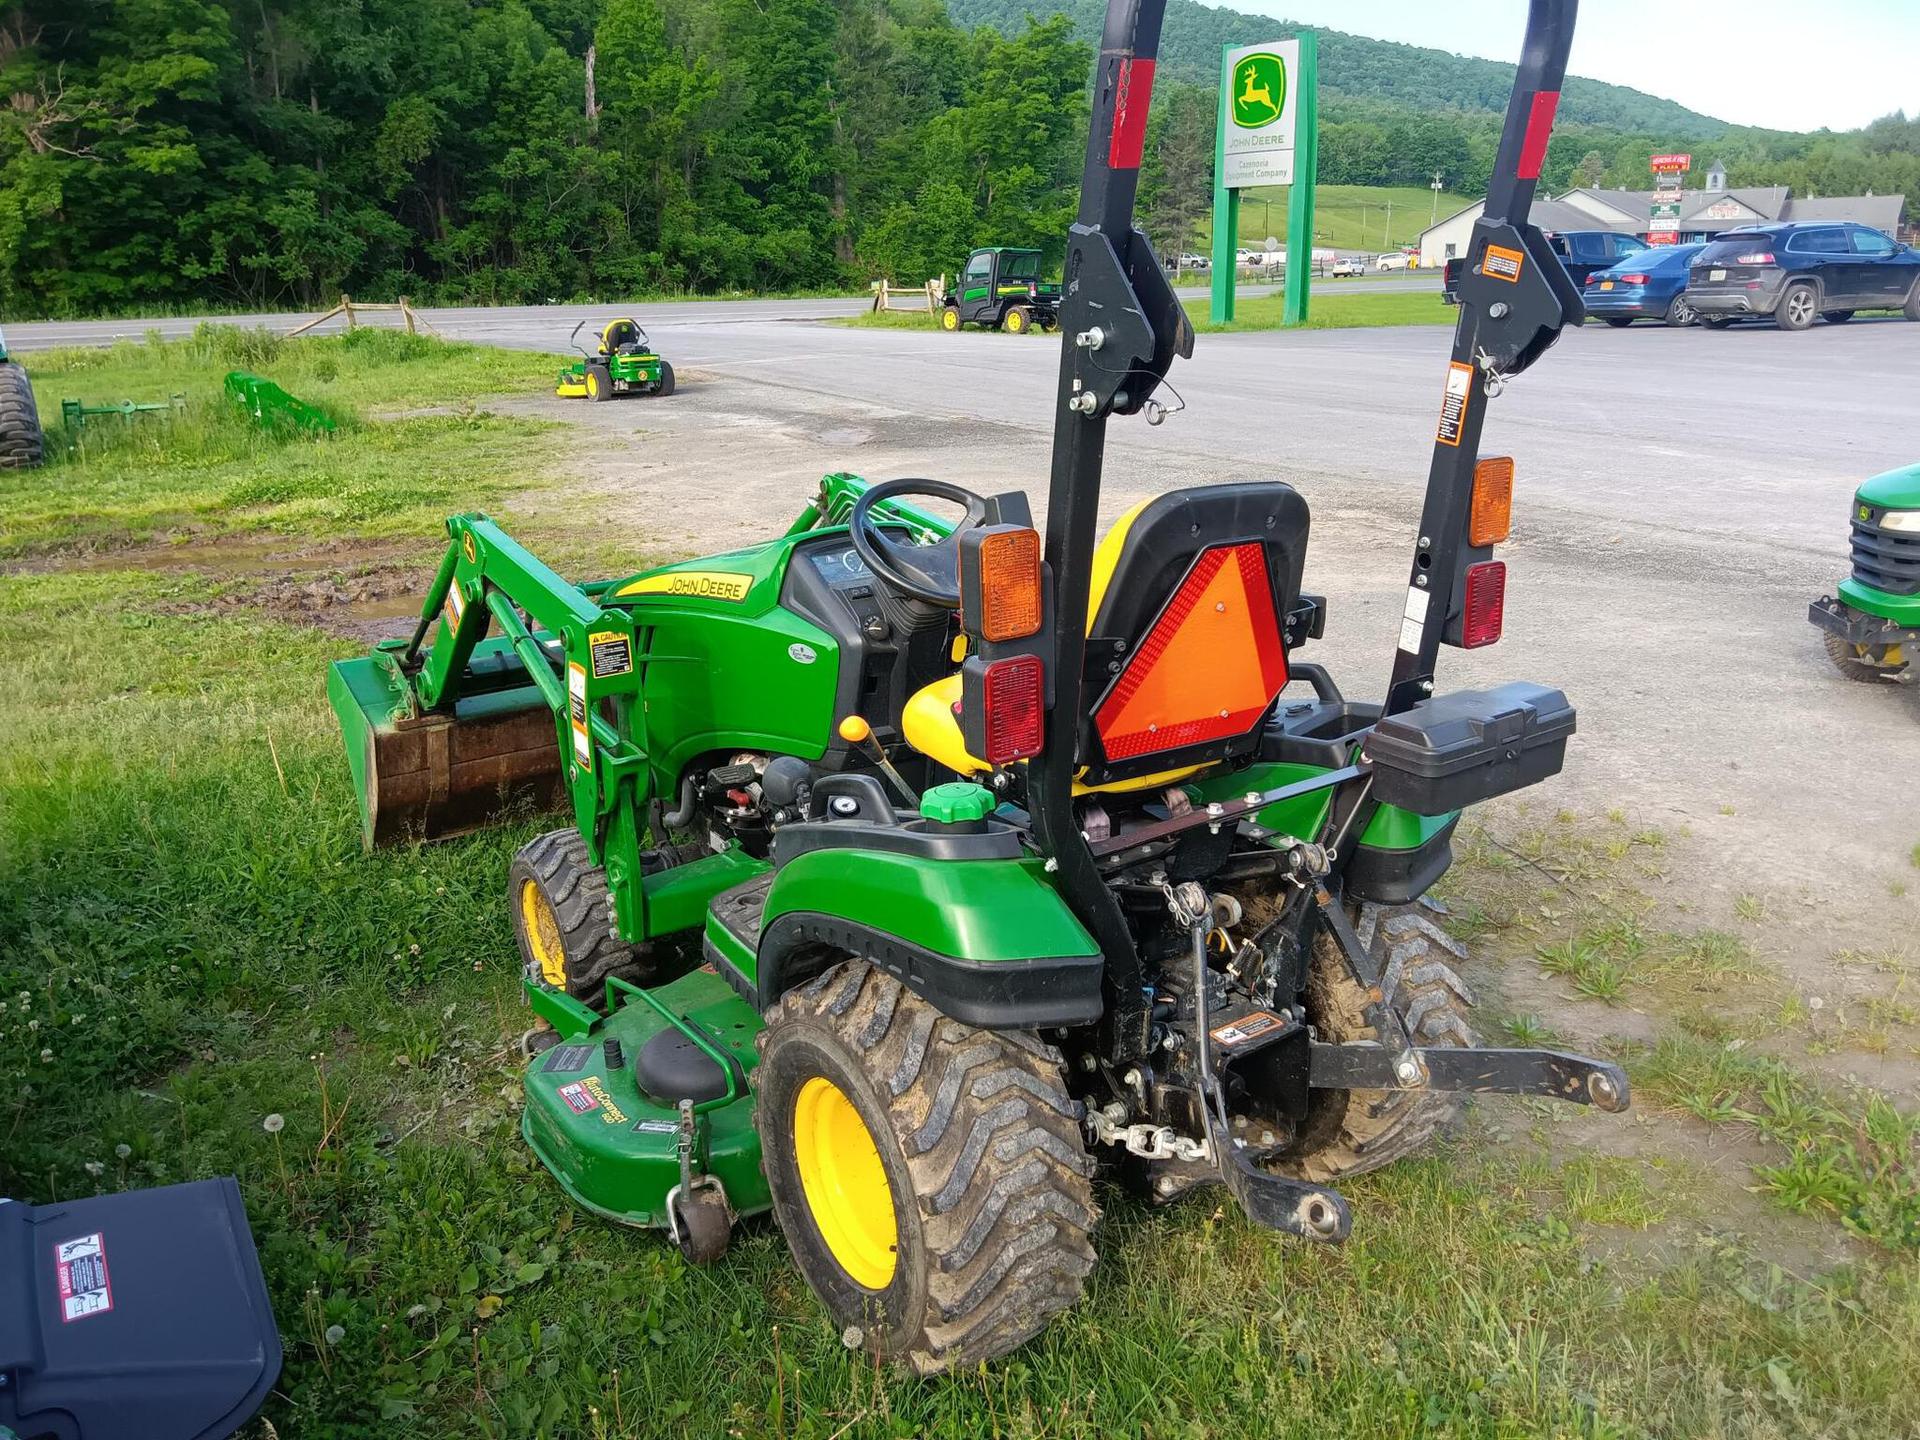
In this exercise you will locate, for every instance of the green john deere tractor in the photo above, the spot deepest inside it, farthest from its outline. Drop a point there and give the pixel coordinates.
(623, 364)
(1001, 289)
(916, 869)
(1875, 615)
(21, 442)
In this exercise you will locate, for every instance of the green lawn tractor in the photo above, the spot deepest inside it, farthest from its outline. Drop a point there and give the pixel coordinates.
(624, 364)
(1001, 289)
(917, 870)
(21, 442)
(1875, 616)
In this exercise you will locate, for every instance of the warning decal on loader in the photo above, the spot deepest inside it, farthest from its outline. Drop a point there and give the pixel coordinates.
(577, 713)
(456, 607)
(1413, 620)
(1502, 263)
(1453, 407)
(612, 653)
(80, 1267)
(1247, 1027)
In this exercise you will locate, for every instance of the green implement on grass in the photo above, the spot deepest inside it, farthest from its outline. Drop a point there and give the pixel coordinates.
(916, 868)
(270, 407)
(1875, 614)
(624, 364)
(1000, 288)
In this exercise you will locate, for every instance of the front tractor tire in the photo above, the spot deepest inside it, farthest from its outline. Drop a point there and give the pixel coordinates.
(1866, 664)
(930, 1177)
(1349, 1132)
(950, 318)
(563, 919)
(599, 383)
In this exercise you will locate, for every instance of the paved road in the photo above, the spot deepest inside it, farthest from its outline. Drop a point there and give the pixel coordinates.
(545, 327)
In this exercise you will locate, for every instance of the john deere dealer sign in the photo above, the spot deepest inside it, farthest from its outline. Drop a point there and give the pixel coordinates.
(1261, 111)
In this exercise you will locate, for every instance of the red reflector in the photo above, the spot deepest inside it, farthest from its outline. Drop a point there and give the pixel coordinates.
(1209, 668)
(1015, 700)
(1134, 92)
(1486, 604)
(1533, 149)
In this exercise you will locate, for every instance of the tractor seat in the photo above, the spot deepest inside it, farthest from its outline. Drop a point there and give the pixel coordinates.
(1195, 585)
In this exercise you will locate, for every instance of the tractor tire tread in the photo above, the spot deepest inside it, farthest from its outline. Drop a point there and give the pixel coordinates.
(992, 1144)
(576, 888)
(1417, 969)
(22, 444)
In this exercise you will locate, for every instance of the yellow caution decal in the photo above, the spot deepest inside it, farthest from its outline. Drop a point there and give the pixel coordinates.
(696, 584)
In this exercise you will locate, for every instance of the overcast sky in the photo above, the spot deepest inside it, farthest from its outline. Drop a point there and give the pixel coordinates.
(1786, 64)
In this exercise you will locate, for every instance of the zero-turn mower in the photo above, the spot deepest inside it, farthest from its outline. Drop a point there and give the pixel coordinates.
(624, 364)
(1874, 615)
(918, 868)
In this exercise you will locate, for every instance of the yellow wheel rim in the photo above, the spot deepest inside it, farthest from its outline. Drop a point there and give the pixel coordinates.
(950, 319)
(1016, 322)
(593, 383)
(542, 929)
(845, 1183)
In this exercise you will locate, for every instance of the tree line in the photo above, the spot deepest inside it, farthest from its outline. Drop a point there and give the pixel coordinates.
(277, 152)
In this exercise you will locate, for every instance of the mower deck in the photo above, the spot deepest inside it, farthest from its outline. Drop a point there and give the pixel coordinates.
(612, 1145)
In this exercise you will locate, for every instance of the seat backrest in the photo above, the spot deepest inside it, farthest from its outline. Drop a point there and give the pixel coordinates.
(1186, 641)
(618, 333)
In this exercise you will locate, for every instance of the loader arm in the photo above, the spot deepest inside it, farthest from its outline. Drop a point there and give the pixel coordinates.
(507, 622)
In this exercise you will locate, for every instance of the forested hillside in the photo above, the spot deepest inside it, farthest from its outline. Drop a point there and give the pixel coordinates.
(265, 152)
(276, 152)
(1354, 66)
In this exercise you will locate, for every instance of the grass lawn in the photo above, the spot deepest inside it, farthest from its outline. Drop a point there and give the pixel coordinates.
(1345, 217)
(191, 941)
(1262, 312)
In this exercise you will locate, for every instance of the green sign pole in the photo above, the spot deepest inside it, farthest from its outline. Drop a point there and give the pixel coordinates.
(1226, 208)
(1306, 179)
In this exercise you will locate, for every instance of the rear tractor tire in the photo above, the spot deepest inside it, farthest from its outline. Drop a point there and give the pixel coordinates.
(599, 383)
(930, 1177)
(1017, 321)
(1349, 1132)
(1865, 664)
(665, 387)
(21, 443)
(563, 919)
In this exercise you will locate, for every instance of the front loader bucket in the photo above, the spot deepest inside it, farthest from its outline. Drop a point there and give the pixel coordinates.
(424, 776)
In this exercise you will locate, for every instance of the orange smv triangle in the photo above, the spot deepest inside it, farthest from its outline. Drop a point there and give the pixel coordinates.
(1208, 669)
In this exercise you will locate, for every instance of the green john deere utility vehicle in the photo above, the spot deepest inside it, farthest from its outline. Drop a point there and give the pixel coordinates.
(916, 869)
(623, 364)
(21, 442)
(1001, 289)
(1875, 615)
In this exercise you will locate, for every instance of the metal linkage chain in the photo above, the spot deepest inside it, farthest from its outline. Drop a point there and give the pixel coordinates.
(1150, 1142)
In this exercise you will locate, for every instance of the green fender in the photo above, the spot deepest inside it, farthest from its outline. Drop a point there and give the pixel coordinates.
(990, 942)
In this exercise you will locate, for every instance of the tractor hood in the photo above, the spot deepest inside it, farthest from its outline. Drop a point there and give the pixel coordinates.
(1895, 490)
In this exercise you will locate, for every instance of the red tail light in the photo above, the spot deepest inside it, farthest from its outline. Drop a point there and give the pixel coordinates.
(1631, 279)
(1756, 257)
(1015, 692)
(1486, 604)
(1594, 279)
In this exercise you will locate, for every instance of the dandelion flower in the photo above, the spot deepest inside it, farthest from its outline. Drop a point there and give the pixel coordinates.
(274, 1123)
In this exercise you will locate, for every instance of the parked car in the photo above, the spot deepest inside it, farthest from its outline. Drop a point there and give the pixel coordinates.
(1395, 261)
(1195, 262)
(1583, 252)
(1800, 273)
(1650, 286)
(1348, 265)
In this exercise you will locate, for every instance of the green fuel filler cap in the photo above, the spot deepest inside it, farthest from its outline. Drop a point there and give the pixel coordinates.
(957, 803)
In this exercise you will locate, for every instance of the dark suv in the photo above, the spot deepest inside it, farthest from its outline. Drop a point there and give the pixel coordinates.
(1799, 273)
(1582, 253)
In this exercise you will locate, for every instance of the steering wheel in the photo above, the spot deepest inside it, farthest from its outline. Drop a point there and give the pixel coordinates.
(925, 572)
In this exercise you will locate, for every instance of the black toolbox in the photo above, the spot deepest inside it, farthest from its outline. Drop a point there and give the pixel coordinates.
(1456, 750)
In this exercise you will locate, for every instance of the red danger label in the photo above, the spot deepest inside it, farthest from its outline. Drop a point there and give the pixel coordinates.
(579, 1099)
(80, 1267)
